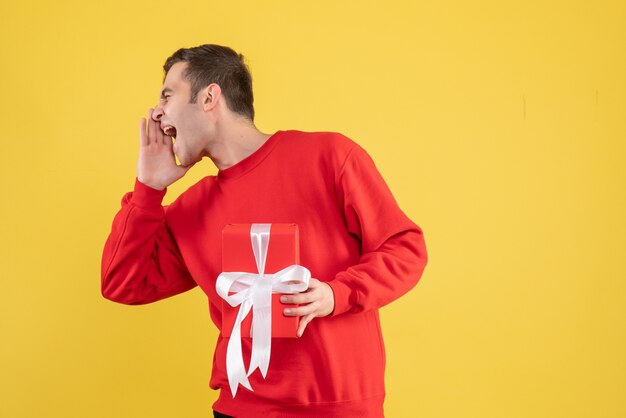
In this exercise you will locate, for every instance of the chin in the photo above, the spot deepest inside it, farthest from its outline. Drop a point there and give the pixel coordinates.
(185, 162)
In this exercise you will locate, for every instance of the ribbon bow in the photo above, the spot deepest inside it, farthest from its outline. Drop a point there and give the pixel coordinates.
(254, 292)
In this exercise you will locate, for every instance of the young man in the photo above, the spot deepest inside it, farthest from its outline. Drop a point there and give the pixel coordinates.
(359, 246)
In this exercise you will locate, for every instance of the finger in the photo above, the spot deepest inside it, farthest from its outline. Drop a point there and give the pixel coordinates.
(304, 321)
(301, 310)
(159, 134)
(143, 138)
(151, 128)
(314, 283)
(169, 142)
(298, 298)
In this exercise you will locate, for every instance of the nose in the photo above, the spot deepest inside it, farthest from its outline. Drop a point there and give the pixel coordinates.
(157, 113)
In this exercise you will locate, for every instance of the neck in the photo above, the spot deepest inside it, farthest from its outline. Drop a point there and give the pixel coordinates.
(235, 141)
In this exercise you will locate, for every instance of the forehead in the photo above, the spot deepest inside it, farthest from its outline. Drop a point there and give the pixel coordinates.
(174, 79)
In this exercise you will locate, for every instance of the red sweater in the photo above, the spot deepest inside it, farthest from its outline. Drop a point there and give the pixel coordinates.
(353, 236)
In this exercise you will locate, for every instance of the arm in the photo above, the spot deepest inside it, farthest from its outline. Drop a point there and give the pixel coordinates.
(141, 262)
(393, 251)
(393, 248)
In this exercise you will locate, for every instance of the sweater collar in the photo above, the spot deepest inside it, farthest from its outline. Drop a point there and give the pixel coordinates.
(251, 161)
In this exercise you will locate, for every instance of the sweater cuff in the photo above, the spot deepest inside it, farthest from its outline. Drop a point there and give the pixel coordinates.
(146, 197)
(341, 293)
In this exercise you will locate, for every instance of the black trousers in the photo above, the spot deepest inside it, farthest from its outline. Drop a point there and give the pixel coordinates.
(218, 415)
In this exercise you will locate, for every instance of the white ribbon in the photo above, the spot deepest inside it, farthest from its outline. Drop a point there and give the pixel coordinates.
(254, 291)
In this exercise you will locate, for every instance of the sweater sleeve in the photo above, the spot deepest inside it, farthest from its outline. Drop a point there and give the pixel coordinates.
(393, 250)
(141, 262)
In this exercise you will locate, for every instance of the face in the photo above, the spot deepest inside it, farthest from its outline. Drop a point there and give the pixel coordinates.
(180, 119)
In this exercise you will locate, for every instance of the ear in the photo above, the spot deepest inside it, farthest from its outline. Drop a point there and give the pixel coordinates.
(210, 96)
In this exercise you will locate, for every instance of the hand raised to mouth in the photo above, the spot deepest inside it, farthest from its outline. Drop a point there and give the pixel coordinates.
(156, 166)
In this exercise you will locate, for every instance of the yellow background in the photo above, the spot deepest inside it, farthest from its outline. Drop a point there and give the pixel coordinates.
(499, 126)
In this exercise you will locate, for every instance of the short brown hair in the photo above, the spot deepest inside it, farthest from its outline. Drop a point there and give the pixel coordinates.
(218, 64)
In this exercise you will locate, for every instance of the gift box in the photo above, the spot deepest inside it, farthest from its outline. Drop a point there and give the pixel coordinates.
(238, 255)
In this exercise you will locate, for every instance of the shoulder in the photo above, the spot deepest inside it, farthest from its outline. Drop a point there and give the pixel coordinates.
(319, 139)
(322, 144)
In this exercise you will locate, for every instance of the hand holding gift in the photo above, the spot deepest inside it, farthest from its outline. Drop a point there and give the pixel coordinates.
(318, 302)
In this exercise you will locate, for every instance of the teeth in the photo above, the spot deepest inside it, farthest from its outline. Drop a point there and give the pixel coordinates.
(170, 131)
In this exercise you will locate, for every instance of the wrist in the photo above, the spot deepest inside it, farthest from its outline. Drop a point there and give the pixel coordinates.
(151, 184)
(146, 196)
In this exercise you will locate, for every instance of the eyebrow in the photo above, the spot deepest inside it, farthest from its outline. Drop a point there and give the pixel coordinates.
(165, 90)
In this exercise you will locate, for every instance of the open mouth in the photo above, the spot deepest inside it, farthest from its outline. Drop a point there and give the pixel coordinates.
(169, 131)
